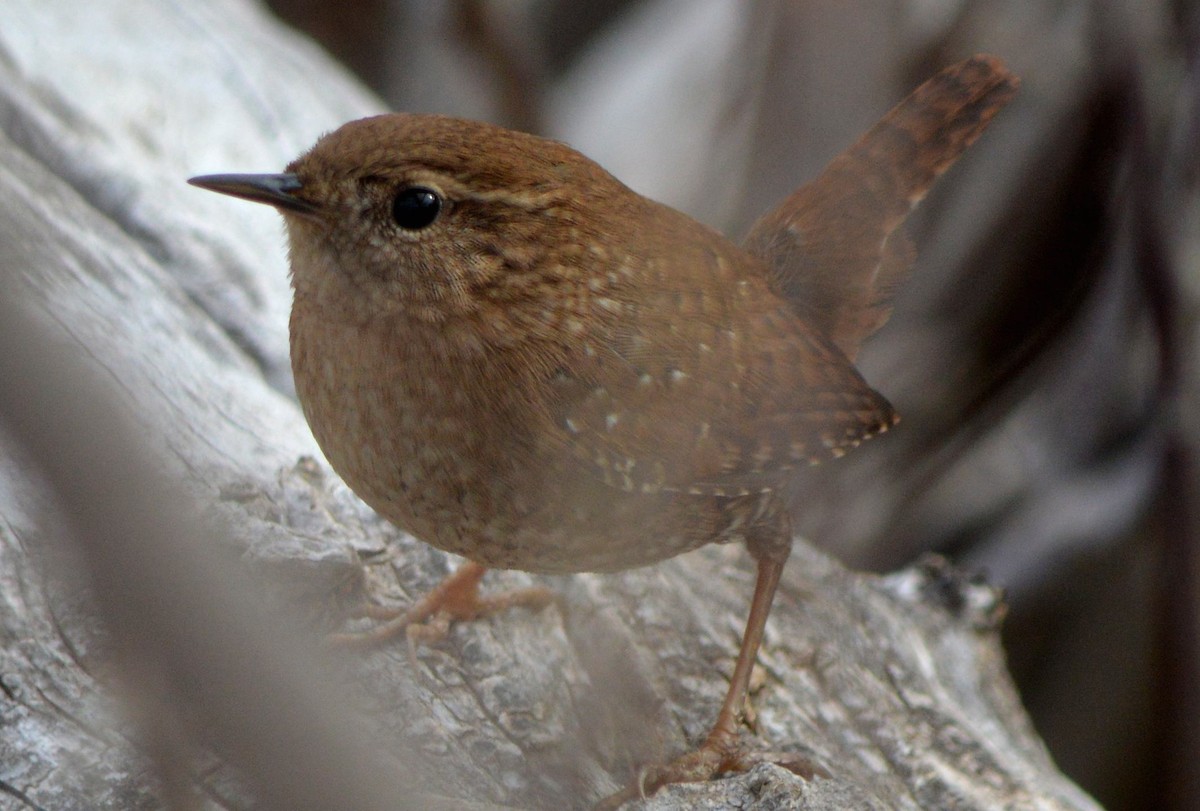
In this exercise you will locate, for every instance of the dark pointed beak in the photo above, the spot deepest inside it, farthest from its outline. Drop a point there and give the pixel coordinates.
(274, 190)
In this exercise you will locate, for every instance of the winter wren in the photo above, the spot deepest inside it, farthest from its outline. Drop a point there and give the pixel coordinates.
(508, 353)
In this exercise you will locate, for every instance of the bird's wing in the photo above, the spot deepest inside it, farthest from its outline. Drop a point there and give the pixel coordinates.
(835, 246)
(709, 383)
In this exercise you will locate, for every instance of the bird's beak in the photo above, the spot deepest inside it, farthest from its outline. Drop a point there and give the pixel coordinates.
(274, 190)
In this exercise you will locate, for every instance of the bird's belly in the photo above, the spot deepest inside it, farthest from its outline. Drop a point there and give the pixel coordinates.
(606, 530)
(464, 476)
(548, 517)
(460, 489)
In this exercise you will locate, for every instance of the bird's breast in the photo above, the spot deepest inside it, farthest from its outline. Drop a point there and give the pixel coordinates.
(435, 444)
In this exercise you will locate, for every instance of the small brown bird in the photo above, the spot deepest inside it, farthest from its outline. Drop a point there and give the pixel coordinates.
(508, 353)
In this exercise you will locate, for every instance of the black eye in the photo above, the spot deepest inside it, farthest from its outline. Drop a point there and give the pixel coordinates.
(416, 207)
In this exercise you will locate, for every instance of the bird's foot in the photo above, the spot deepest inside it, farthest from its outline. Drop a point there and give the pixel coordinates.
(456, 598)
(720, 754)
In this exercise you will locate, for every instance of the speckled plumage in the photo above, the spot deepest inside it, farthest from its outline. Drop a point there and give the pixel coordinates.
(559, 376)
(556, 374)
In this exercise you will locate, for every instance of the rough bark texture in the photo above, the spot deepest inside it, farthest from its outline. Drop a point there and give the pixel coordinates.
(895, 687)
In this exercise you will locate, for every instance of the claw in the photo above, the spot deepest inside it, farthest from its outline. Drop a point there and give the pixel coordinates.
(715, 757)
(456, 598)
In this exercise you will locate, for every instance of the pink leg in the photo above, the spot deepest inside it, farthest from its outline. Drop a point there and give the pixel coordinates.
(455, 598)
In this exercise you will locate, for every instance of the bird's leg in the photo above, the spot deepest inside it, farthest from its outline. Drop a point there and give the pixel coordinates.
(455, 598)
(721, 751)
(770, 567)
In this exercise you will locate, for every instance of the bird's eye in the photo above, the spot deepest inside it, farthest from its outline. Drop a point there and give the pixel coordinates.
(416, 207)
